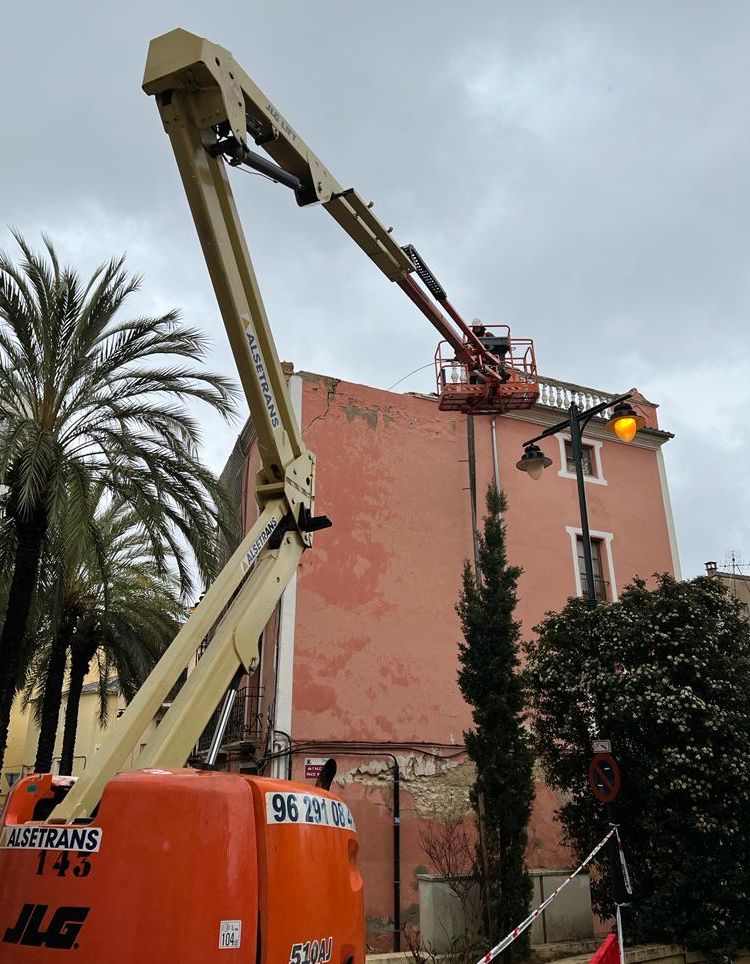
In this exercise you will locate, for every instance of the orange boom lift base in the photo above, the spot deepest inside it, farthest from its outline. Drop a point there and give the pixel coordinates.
(168, 870)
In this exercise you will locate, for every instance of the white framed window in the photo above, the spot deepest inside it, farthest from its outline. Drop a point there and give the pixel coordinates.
(605, 584)
(592, 459)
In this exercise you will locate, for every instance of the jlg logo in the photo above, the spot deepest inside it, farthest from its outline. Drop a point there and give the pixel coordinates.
(61, 932)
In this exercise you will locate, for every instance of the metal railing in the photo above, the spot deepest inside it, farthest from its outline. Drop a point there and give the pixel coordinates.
(557, 394)
(246, 721)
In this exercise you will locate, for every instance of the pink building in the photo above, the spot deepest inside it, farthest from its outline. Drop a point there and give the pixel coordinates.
(361, 663)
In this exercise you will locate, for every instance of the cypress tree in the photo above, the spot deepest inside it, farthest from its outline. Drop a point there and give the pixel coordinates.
(498, 744)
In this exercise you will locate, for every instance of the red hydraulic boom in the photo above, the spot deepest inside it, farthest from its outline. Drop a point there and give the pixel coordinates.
(480, 369)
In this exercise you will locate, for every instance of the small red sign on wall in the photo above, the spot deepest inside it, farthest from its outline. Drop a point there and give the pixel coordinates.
(313, 766)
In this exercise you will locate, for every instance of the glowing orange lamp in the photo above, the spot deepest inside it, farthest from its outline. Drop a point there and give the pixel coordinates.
(625, 421)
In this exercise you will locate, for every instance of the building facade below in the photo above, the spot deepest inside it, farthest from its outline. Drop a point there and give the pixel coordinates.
(360, 662)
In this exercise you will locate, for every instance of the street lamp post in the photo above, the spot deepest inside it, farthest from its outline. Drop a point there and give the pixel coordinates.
(624, 422)
(576, 429)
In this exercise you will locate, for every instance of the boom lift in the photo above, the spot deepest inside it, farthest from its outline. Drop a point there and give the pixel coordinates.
(166, 863)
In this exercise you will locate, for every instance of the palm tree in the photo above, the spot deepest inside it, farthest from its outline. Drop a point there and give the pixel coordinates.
(109, 596)
(89, 399)
(132, 655)
(58, 606)
(128, 615)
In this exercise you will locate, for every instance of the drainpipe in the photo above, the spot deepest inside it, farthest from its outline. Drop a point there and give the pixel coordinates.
(279, 753)
(495, 465)
(473, 493)
(396, 856)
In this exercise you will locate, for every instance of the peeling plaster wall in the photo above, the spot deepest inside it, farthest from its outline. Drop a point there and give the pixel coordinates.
(434, 786)
(428, 787)
(377, 633)
(374, 641)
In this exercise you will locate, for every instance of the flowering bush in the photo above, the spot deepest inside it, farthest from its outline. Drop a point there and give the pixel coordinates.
(665, 675)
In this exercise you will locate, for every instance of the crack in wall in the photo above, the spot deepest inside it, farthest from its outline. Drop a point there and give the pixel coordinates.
(333, 384)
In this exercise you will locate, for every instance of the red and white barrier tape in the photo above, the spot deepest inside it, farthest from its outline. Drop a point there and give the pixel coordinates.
(625, 874)
(517, 931)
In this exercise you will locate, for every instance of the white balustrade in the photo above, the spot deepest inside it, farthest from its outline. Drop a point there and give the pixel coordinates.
(556, 394)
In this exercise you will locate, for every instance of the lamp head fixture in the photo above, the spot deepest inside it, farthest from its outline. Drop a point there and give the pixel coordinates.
(533, 461)
(625, 421)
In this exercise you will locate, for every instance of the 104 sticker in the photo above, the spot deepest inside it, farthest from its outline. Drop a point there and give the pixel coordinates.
(312, 952)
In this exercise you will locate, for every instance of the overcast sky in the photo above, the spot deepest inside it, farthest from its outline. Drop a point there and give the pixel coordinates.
(577, 170)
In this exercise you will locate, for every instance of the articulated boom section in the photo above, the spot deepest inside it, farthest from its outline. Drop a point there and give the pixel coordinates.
(230, 111)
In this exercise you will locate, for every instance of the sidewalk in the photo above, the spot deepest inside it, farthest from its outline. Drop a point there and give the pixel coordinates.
(580, 952)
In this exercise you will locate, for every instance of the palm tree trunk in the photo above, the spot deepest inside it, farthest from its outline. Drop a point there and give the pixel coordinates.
(79, 667)
(30, 536)
(52, 698)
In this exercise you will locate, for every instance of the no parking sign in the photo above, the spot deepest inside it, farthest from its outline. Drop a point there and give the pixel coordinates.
(604, 777)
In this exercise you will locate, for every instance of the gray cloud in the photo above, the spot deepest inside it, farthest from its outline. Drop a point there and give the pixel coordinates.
(577, 170)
